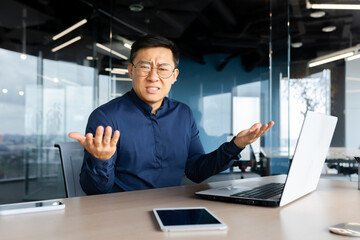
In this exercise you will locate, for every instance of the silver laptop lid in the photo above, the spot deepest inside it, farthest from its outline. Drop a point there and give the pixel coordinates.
(309, 156)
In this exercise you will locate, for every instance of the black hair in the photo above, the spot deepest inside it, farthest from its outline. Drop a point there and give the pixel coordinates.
(154, 41)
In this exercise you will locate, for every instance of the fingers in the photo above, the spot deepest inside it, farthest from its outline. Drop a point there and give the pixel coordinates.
(264, 128)
(101, 146)
(77, 136)
(107, 136)
(115, 138)
(255, 127)
(102, 139)
(250, 135)
(89, 140)
(99, 136)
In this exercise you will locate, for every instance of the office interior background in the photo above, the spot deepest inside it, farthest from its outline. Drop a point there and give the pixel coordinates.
(241, 62)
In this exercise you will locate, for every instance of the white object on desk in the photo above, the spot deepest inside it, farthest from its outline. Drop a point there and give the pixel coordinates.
(27, 207)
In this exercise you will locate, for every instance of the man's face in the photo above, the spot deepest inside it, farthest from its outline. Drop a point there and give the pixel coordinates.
(152, 88)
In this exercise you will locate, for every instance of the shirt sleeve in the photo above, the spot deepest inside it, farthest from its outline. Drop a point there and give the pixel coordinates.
(201, 166)
(97, 176)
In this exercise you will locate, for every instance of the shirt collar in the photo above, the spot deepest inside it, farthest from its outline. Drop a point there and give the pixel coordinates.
(144, 106)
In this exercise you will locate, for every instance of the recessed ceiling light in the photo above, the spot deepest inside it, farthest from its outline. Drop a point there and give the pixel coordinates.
(296, 44)
(317, 14)
(328, 29)
(136, 7)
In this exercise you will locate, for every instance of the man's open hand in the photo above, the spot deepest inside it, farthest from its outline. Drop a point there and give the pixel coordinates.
(101, 146)
(250, 135)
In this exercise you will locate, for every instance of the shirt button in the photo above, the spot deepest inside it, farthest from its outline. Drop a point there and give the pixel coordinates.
(104, 164)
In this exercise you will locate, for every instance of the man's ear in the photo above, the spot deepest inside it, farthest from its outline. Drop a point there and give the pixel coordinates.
(130, 66)
(176, 74)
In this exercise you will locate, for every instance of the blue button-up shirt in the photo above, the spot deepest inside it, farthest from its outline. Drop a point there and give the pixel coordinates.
(153, 150)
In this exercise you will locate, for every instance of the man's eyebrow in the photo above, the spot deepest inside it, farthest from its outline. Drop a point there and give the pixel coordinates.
(144, 62)
(160, 64)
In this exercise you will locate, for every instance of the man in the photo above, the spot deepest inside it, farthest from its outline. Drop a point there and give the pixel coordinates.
(144, 139)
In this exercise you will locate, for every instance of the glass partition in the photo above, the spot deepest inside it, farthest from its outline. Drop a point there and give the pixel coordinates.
(50, 86)
(324, 69)
(48, 89)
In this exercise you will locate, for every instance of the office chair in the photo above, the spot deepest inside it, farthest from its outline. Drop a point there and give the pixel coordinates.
(249, 159)
(71, 155)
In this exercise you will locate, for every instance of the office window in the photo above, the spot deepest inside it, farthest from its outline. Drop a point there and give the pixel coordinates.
(310, 93)
(246, 110)
(216, 120)
(352, 104)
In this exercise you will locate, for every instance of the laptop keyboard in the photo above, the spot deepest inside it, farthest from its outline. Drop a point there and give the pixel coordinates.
(262, 192)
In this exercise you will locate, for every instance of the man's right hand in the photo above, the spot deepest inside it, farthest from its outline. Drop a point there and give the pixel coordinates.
(100, 147)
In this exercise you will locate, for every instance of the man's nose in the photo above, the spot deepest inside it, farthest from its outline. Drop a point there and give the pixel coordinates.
(153, 75)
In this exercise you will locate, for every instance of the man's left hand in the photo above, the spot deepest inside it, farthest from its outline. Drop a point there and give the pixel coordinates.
(250, 135)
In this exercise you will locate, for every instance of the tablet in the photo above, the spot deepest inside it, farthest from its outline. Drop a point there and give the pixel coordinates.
(27, 207)
(193, 218)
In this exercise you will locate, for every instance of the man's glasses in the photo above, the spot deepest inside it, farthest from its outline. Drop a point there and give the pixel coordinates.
(143, 69)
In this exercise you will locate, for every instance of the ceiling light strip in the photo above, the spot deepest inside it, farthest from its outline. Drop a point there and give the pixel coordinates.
(121, 71)
(66, 44)
(122, 79)
(66, 31)
(353, 57)
(111, 51)
(330, 59)
(336, 6)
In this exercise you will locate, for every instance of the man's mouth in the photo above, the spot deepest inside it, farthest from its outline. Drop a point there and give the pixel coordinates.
(152, 89)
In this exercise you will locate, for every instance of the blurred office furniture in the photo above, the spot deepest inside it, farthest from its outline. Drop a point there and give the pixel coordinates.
(339, 158)
(71, 154)
(276, 160)
(343, 160)
(249, 161)
(42, 173)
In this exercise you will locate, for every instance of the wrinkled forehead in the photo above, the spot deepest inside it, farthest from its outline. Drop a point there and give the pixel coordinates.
(155, 56)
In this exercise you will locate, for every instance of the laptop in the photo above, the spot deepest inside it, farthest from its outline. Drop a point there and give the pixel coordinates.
(303, 176)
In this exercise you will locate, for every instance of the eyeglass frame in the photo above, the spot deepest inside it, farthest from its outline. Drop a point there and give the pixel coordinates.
(172, 72)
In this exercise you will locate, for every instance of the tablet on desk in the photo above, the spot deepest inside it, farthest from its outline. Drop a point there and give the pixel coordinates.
(27, 207)
(194, 218)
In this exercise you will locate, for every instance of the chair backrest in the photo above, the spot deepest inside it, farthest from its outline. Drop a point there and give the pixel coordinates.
(71, 155)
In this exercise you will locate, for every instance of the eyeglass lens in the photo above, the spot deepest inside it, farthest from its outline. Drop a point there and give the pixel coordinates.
(163, 70)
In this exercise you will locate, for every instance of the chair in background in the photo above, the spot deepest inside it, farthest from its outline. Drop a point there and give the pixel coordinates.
(71, 155)
(249, 159)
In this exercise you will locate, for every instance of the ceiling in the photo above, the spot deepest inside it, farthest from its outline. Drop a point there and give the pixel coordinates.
(230, 27)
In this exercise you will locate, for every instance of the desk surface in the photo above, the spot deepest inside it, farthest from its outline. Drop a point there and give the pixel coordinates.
(128, 216)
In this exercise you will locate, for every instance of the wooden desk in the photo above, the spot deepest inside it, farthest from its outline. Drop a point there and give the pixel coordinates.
(128, 216)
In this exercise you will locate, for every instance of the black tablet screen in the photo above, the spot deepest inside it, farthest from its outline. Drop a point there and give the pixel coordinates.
(186, 217)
